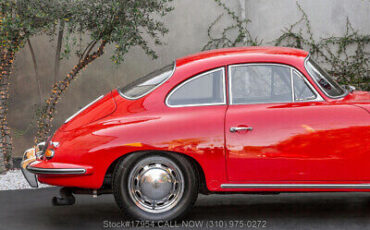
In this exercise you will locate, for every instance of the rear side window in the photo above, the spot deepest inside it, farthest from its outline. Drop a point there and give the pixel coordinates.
(204, 89)
(148, 83)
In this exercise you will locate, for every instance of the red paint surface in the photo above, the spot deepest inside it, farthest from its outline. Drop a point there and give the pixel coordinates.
(310, 142)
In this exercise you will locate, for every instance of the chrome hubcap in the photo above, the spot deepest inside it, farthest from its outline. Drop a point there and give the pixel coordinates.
(156, 184)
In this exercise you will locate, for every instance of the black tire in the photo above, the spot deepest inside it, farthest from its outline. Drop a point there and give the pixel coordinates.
(123, 176)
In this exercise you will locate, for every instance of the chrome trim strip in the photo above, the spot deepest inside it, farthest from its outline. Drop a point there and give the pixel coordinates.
(297, 186)
(194, 78)
(318, 85)
(135, 98)
(318, 96)
(292, 84)
(79, 111)
(68, 171)
(41, 143)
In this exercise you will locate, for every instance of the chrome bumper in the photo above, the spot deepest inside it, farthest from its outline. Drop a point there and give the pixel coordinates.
(29, 156)
(29, 171)
(55, 171)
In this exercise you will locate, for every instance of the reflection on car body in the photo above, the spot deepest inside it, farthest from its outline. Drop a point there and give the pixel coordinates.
(248, 119)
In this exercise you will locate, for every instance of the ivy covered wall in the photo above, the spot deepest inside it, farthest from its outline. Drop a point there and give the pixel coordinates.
(344, 52)
(188, 25)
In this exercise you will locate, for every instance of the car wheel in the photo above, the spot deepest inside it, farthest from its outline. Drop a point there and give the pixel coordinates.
(155, 186)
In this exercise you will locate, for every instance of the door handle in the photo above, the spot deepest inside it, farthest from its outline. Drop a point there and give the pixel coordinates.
(237, 129)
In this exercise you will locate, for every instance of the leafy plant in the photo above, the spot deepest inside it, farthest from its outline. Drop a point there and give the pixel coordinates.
(236, 34)
(124, 24)
(345, 57)
(19, 20)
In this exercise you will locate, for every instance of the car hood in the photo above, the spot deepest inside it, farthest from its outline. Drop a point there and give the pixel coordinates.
(98, 109)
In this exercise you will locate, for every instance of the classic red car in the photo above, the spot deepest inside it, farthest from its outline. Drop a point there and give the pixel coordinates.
(238, 120)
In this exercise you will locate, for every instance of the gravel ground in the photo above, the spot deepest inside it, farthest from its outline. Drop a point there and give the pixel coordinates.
(13, 180)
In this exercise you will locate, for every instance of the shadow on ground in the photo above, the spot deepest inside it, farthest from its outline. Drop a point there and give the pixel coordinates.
(32, 209)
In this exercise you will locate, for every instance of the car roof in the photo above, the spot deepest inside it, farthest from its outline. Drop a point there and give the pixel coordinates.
(250, 52)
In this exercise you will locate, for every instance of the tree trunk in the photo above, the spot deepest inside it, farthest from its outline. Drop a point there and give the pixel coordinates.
(37, 77)
(7, 58)
(48, 112)
(58, 49)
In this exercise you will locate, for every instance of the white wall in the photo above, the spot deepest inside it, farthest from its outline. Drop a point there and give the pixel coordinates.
(188, 25)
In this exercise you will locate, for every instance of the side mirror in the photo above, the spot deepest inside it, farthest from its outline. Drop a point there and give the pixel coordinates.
(350, 88)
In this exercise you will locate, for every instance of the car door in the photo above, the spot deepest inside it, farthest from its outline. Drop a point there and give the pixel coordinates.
(193, 122)
(278, 128)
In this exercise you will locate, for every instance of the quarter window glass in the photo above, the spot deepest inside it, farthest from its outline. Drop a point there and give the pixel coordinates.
(260, 84)
(323, 79)
(146, 84)
(302, 92)
(204, 89)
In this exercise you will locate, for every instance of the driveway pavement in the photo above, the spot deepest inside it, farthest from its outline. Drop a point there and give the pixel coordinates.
(32, 209)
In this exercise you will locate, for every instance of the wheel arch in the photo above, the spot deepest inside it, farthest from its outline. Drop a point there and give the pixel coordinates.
(200, 172)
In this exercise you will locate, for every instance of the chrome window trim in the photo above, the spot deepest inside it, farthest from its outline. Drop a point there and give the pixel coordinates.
(292, 84)
(317, 98)
(194, 78)
(135, 98)
(297, 186)
(318, 85)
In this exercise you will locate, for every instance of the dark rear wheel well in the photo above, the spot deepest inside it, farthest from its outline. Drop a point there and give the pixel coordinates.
(202, 179)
